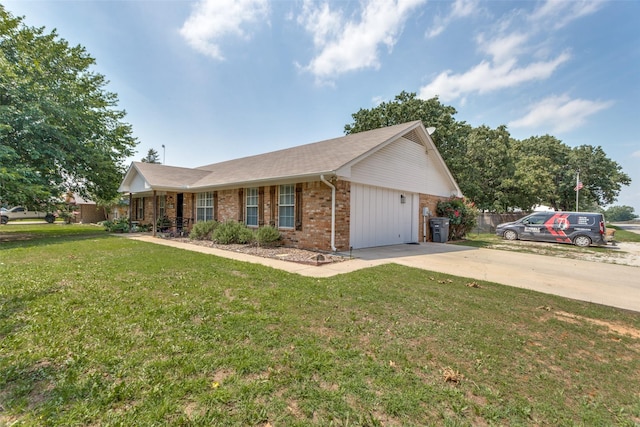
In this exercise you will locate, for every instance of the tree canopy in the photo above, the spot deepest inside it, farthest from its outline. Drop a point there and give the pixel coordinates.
(499, 173)
(620, 213)
(60, 129)
(151, 157)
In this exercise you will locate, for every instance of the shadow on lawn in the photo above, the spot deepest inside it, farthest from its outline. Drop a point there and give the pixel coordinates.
(27, 240)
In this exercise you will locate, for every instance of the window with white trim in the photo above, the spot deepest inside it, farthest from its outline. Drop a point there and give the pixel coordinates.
(286, 206)
(252, 207)
(162, 210)
(204, 206)
(138, 208)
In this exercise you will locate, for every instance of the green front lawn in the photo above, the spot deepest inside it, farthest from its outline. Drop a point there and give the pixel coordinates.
(102, 330)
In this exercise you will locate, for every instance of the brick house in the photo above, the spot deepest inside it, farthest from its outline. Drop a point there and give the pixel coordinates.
(360, 190)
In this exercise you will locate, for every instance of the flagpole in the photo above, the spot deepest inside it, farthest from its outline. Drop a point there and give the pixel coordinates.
(577, 189)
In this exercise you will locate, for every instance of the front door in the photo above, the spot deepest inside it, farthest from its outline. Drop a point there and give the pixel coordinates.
(179, 211)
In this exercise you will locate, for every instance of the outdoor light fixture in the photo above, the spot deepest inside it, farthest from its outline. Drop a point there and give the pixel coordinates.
(403, 199)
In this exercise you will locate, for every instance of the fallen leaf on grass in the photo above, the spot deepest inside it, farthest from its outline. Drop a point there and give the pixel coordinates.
(473, 285)
(452, 376)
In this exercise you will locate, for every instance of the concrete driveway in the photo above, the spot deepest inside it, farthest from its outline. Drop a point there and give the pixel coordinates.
(601, 283)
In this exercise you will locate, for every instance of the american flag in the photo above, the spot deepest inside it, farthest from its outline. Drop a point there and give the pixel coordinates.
(578, 187)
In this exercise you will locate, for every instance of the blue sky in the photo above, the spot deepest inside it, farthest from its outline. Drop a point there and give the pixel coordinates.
(213, 80)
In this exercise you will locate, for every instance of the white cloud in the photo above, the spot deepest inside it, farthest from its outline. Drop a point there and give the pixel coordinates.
(636, 154)
(459, 9)
(348, 44)
(488, 77)
(516, 49)
(212, 20)
(559, 113)
(503, 48)
(559, 13)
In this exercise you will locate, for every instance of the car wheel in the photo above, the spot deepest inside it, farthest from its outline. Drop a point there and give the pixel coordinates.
(510, 235)
(582, 241)
(4, 220)
(50, 218)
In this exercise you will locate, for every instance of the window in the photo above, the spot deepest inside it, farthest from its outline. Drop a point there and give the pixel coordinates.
(204, 207)
(138, 208)
(162, 211)
(252, 207)
(286, 206)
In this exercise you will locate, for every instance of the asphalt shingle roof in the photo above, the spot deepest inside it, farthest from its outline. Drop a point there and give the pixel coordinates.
(317, 158)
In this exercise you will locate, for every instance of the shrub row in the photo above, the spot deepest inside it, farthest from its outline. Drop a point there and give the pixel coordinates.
(230, 232)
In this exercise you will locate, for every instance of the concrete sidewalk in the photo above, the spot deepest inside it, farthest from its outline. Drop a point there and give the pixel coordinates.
(601, 283)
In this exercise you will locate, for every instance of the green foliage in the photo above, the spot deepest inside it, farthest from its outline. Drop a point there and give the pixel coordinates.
(487, 178)
(59, 126)
(203, 230)
(120, 225)
(267, 235)
(151, 157)
(620, 213)
(500, 173)
(462, 216)
(163, 223)
(232, 232)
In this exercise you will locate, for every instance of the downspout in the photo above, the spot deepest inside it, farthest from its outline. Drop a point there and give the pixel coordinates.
(333, 212)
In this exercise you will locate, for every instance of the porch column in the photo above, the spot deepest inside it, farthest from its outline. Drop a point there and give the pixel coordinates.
(155, 220)
(130, 210)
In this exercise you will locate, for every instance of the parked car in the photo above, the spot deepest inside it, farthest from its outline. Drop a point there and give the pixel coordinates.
(20, 212)
(579, 228)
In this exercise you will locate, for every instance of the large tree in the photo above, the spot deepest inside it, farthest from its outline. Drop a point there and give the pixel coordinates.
(500, 173)
(60, 129)
(488, 176)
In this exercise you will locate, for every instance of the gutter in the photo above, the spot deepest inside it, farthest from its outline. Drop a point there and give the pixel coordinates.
(333, 212)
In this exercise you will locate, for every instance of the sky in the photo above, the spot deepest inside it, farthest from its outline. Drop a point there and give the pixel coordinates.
(211, 80)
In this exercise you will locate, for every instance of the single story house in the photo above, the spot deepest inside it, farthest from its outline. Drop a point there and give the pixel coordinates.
(366, 189)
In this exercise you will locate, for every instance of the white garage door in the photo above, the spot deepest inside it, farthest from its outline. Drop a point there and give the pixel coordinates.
(378, 217)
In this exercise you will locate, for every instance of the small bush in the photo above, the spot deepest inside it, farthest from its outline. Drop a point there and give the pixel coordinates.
(267, 235)
(462, 216)
(232, 232)
(203, 230)
(120, 225)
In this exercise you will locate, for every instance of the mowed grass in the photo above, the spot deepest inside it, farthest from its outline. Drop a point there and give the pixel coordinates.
(102, 330)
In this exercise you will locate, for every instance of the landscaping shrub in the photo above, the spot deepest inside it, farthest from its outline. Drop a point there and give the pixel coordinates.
(232, 232)
(120, 225)
(266, 236)
(462, 216)
(203, 230)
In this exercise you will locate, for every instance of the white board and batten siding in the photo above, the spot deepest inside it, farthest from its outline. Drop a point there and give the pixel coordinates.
(378, 218)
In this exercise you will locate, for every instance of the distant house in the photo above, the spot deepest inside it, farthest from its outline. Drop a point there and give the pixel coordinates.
(84, 211)
(360, 190)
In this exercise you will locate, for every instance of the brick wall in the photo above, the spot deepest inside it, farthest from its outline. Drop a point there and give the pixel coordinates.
(431, 202)
(315, 230)
(228, 205)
